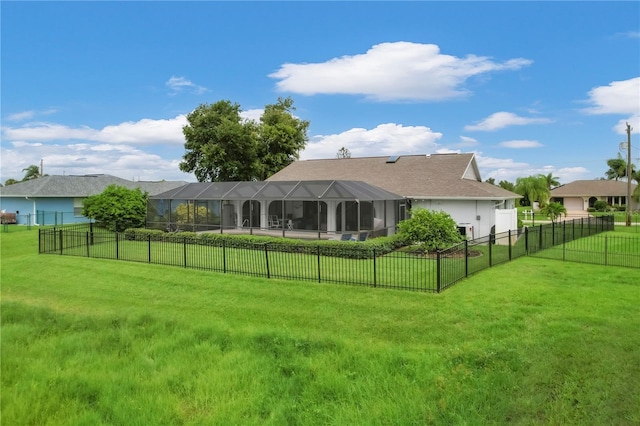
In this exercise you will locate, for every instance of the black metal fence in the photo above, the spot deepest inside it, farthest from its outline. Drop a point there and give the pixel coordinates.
(351, 263)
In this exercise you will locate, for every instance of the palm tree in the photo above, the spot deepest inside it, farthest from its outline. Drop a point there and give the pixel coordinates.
(553, 211)
(617, 168)
(551, 180)
(32, 172)
(534, 188)
(10, 181)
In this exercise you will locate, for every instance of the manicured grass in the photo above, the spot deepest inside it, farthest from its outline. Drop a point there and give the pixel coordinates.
(534, 341)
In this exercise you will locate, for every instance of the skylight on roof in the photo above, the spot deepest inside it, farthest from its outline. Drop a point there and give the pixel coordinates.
(393, 159)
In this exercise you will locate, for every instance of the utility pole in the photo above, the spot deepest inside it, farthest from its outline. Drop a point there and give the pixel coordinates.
(628, 175)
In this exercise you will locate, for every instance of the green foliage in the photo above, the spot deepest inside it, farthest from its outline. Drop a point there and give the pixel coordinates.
(618, 168)
(533, 188)
(431, 229)
(509, 186)
(117, 208)
(553, 211)
(222, 146)
(345, 249)
(601, 206)
(31, 172)
(10, 181)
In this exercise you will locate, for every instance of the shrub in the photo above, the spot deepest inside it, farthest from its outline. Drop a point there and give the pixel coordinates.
(117, 208)
(430, 229)
(601, 206)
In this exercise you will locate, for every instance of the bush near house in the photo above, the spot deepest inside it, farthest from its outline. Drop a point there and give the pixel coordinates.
(430, 228)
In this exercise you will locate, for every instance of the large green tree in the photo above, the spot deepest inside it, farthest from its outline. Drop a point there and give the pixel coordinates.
(222, 146)
(534, 188)
(117, 208)
(281, 137)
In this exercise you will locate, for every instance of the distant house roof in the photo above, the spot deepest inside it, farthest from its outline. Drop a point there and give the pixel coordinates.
(279, 190)
(584, 188)
(80, 186)
(437, 176)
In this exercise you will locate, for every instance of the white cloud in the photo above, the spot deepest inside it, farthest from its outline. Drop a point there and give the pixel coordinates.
(252, 114)
(519, 144)
(619, 97)
(27, 115)
(142, 132)
(510, 170)
(502, 119)
(391, 71)
(119, 160)
(181, 84)
(385, 139)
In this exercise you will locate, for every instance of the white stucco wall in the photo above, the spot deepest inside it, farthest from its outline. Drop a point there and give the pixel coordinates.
(481, 214)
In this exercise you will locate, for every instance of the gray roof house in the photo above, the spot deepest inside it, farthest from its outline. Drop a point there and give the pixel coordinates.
(579, 195)
(58, 199)
(448, 182)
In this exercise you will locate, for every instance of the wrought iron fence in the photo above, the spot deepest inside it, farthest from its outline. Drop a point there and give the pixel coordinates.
(350, 262)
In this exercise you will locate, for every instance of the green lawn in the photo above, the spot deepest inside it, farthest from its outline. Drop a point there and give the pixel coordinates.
(533, 341)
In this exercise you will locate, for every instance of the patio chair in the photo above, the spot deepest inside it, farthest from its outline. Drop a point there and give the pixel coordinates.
(274, 221)
(363, 236)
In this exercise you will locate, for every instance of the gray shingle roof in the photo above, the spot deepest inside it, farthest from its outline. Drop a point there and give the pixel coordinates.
(80, 186)
(595, 188)
(442, 176)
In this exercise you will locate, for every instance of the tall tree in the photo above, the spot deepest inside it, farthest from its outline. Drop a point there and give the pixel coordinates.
(31, 172)
(551, 181)
(491, 180)
(509, 186)
(618, 168)
(221, 146)
(281, 137)
(534, 188)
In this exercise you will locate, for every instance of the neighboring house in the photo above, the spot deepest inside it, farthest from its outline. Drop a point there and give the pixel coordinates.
(58, 199)
(579, 195)
(447, 182)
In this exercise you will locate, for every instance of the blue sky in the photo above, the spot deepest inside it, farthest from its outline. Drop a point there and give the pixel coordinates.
(529, 87)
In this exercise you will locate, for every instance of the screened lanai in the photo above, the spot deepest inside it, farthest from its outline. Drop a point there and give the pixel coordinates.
(312, 209)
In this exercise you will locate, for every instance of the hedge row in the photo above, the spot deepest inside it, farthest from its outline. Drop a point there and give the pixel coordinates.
(347, 249)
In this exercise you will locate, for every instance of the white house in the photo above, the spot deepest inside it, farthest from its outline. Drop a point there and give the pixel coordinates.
(447, 182)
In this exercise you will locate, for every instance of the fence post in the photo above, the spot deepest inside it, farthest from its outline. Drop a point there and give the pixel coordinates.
(87, 243)
(184, 251)
(606, 240)
(490, 250)
(91, 230)
(466, 258)
(438, 280)
(149, 249)
(318, 250)
(526, 240)
(553, 234)
(510, 250)
(266, 258)
(61, 241)
(564, 244)
(375, 280)
(224, 256)
(540, 239)
(117, 247)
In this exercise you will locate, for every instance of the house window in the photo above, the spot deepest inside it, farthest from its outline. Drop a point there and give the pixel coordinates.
(77, 206)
